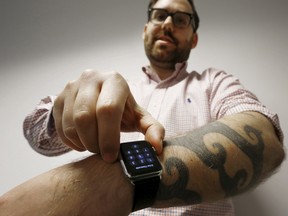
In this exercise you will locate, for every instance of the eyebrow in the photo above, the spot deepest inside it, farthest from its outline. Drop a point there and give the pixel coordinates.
(169, 11)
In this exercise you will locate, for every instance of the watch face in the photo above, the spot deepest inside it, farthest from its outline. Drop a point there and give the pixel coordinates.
(139, 158)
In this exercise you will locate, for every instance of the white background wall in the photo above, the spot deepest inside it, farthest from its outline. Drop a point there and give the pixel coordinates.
(44, 44)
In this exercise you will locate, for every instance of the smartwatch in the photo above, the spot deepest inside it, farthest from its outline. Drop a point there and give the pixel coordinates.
(141, 165)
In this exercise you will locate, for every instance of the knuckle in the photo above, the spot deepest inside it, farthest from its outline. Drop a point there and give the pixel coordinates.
(69, 86)
(108, 108)
(68, 89)
(95, 75)
(82, 118)
(118, 79)
(114, 73)
(116, 76)
(91, 76)
(88, 74)
(70, 132)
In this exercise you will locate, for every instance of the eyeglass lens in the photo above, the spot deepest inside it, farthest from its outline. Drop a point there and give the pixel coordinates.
(181, 20)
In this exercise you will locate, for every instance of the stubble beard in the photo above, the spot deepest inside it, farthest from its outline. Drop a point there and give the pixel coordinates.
(164, 57)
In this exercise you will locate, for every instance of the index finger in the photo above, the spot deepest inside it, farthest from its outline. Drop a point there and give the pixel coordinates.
(109, 110)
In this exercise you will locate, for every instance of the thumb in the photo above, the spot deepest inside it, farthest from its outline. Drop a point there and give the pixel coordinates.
(154, 132)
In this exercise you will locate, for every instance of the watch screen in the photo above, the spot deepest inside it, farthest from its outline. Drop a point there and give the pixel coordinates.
(139, 158)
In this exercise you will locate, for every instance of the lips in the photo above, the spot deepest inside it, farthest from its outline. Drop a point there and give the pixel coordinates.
(166, 39)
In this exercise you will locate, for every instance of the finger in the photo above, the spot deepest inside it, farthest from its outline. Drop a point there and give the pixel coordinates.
(85, 113)
(155, 136)
(109, 111)
(57, 115)
(72, 139)
(154, 132)
(69, 131)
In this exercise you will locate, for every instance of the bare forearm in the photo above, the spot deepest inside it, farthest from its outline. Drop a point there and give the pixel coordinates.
(80, 188)
(219, 160)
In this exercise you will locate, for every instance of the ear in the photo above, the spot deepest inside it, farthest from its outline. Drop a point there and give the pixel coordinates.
(144, 31)
(195, 40)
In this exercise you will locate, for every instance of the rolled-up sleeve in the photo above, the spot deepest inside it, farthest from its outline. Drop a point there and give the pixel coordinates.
(228, 97)
(39, 130)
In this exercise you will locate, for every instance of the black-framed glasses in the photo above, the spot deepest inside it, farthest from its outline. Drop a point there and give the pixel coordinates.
(180, 19)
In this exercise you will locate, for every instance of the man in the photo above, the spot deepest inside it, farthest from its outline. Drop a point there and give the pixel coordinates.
(219, 139)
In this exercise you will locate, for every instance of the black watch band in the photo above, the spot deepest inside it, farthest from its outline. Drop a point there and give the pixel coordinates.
(145, 192)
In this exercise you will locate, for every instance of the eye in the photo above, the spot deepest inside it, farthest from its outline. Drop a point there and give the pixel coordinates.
(181, 19)
(159, 15)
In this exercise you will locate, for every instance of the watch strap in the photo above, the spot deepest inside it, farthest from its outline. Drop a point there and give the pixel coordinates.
(145, 192)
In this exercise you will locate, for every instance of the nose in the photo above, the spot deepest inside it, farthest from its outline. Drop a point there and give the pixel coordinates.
(168, 24)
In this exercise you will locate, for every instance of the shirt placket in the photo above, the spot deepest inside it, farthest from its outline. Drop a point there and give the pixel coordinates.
(155, 103)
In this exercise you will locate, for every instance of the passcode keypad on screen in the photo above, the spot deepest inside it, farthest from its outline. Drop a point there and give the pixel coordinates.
(138, 156)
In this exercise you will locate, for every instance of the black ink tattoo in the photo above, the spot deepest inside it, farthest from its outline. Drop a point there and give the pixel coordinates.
(178, 189)
(216, 161)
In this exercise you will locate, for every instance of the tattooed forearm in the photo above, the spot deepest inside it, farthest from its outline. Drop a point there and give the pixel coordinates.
(216, 160)
(178, 189)
(219, 160)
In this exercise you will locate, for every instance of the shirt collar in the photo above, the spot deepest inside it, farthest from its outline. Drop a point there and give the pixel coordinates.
(178, 75)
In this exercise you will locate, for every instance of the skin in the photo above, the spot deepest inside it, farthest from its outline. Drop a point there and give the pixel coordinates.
(166, 45)
(72, 189)
(222, 159)
(219, 160)
(91, 111)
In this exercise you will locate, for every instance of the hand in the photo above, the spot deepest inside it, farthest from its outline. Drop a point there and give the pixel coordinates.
(91, 111)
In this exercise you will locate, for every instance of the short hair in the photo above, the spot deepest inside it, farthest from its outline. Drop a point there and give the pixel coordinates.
(196, 19)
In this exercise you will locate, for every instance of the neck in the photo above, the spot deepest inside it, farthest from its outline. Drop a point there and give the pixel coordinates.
(162, 72)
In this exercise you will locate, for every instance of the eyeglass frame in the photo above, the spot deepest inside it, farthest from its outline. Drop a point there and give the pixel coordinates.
(193, 17)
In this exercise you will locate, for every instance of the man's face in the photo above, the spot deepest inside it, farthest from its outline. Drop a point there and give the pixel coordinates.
(165, 44)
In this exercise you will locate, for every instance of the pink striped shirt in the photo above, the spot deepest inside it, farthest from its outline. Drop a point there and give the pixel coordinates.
(182, 102)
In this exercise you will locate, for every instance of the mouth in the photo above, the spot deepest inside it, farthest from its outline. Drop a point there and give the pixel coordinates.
(166, 39)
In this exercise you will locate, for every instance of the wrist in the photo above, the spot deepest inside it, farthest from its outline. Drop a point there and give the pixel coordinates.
(143, 169)
(124, 190)
(94, 183)
(117, 190)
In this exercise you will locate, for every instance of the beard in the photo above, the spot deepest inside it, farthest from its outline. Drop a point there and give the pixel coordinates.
(166, 56)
